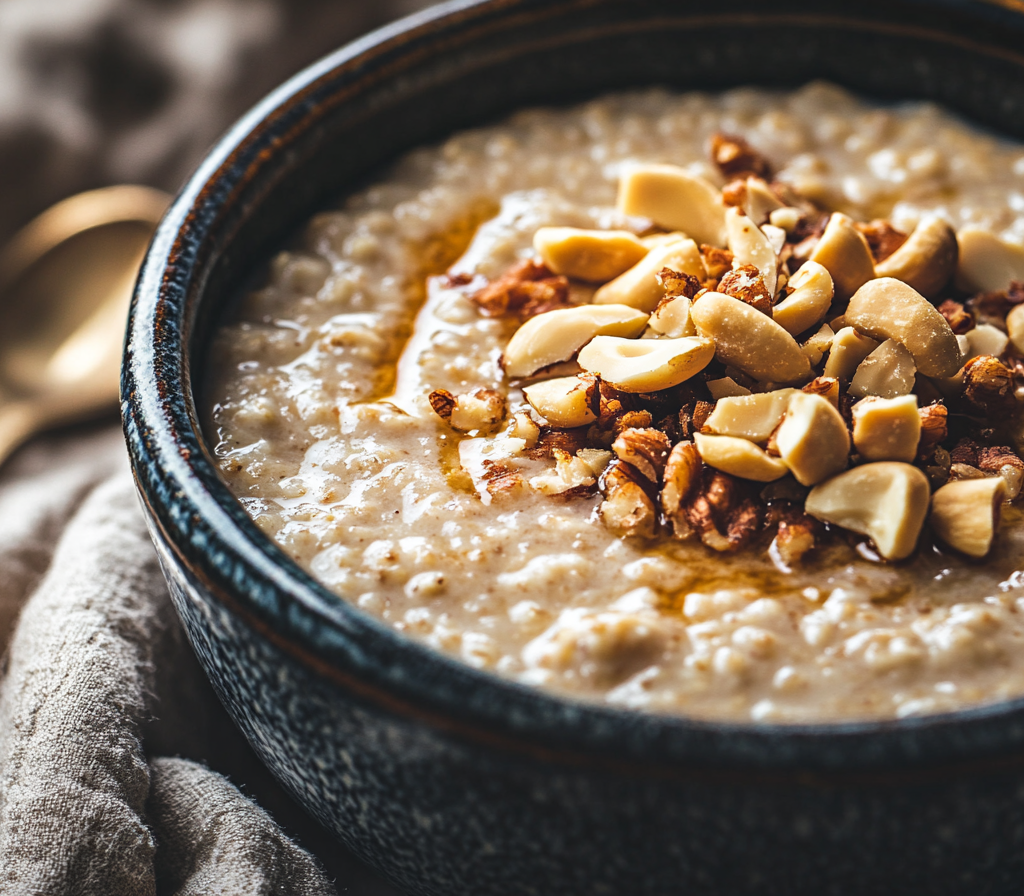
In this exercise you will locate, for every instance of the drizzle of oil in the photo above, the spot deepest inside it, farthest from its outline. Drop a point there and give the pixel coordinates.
(430, 257)
(448, 456)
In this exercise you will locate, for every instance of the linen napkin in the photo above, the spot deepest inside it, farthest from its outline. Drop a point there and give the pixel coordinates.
(105, 716)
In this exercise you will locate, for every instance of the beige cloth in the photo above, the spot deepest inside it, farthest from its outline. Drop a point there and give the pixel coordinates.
(97, 684)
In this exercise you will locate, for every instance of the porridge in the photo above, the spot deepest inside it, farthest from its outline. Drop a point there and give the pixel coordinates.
(689, 403)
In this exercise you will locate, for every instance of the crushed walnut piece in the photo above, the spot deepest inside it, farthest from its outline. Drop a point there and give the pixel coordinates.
(959, 318)
(735, 157)
(646, 450)
(678, 284)
(883, 239)
(746, 283)
(527, 289)
(988, 386)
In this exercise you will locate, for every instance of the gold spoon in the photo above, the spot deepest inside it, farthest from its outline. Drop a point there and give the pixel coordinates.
(65, 283)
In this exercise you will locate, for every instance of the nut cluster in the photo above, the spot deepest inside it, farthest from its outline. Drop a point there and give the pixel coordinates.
(752, 369)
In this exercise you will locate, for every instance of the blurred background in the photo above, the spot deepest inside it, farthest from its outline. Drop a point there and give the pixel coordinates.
(97, 92)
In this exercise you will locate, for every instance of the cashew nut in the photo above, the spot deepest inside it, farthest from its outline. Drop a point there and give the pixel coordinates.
(816, 345)
(749, 340)
(984, 339)
(640, 288)
(675, 200)
(848, 349)
(565, 401)
(886, 501)
(887, 428)
(887, 372)
(1015, 327)
(594, 255)
(760, 201)
(739, 457)
(646, 365)
(926, 260)
(844, 252)
(965, 514)
(750, 246)
(813, 440)
(557, 335)
(751, 417)
(889, 309)
(987, 263)
(811, 297)
(672, 319)
(726, 387)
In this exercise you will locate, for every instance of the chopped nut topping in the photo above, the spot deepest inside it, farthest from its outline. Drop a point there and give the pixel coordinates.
(991, 459)
(737, 158)
(958, 318)
(677, 283)
(933, 427)
(632, 420)
(443, 403)
(988, 386)
(882, 237)
(682, 477)
(717, 261)
(551, 440)
(646, 450)
(734, 193)
(626, 509)
(992, 307)
(501, 478)
(747, 284)
(526, 289)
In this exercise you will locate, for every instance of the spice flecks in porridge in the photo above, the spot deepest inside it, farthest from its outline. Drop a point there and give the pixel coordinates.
(491, 545)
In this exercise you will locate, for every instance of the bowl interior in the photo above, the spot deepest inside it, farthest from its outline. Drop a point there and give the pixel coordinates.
(415, 82)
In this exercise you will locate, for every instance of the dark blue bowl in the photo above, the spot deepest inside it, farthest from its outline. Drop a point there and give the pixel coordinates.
(453, 781)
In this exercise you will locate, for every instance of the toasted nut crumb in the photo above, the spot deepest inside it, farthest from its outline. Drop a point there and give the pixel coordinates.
(751, 417)
(887, 428)
(681, 479)
(792, 542)
(560, 334)
(674, 199)
(959, 319)
(809, 300)
(647, 450)
(566, 401)
(926, 260)
(443, 403)
(500, 478)
(889, 309)
(568, 440)
(701, 411)
(626, 509)
(527, 288)
(965, 514)
(992, 458)
(717, 262)
(750, 246)
(646, 365)
(882, 237)
(933, 427)
(812, 440)
(739, 457)
(523, 427)
(734, 193)
(886, 501)
(844, 252)
(632, 420)
(748, 340)
(677, 283)
(735, 157)
(747, 284)
(593, 255)
(988, 385)
(825, 386)
(849, 348)
(641, 287)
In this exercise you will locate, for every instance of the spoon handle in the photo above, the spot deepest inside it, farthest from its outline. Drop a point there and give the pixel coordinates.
(18, 420)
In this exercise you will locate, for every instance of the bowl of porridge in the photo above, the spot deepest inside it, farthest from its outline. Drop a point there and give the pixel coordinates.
(584, 442)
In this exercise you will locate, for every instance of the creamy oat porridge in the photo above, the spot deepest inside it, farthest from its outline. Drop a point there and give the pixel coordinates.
(701, 404)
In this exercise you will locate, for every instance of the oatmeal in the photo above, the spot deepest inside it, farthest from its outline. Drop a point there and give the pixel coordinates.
(700, 404)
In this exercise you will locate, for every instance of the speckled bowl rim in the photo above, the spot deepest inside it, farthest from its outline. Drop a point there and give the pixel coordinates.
(196, 515)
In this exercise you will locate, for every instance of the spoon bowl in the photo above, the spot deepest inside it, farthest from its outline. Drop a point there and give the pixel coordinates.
(65, 285)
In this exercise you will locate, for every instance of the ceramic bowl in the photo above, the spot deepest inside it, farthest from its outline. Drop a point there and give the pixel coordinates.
(450, 780)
